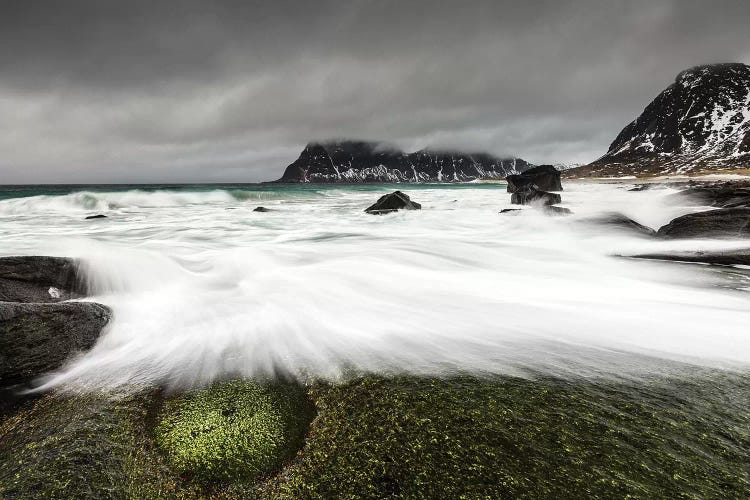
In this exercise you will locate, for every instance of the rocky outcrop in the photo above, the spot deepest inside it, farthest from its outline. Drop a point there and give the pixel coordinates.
(721, 223)
(40, 279)
(700, 122)
(391, 203)
(360, 161)
(542, 178)
(38, 338)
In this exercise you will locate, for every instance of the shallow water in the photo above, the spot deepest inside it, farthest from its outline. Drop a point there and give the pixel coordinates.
(201, 286)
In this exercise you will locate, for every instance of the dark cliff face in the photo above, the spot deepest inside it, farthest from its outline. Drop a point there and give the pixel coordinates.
(701, 121)
(358, 161)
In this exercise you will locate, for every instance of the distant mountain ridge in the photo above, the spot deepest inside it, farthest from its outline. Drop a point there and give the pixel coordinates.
(700, 122)
(362, 161)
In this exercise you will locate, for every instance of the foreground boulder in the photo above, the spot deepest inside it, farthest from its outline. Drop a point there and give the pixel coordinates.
(532, 196)
(392, 202)
(718, 257)
(40, 279)
(38, 338)
(722, 223)
(543, 178)
(618, 221)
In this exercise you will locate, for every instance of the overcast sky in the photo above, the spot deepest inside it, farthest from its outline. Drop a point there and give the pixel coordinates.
(101, 91)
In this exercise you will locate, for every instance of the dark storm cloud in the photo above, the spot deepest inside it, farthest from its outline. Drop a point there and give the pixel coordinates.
(189, 91)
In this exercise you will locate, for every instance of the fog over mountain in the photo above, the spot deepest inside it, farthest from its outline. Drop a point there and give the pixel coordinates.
(100, 91)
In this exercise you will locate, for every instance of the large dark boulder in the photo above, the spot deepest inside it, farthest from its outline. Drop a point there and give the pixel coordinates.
(543, 178)
(40, 279)
(617, 221)
(392, 202)
(721, 223)
(37, 338)
(531, 196)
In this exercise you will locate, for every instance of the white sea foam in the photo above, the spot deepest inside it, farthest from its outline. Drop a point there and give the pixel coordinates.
(317, 287)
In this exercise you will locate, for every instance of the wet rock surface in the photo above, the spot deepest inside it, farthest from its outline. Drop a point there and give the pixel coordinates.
(37, 338)
(40, 279)
(726, 223)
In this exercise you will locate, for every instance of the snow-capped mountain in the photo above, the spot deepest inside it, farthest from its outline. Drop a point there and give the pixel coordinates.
(360, 161)
(700, 122)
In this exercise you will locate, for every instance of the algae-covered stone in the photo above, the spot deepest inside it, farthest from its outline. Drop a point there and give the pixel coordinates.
(468, 437)
(81, 446)
(234, 431)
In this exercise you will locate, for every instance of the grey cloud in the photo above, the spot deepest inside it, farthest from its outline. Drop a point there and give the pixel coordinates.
(98, 91)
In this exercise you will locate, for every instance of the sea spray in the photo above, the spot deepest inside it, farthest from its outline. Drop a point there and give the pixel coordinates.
(317, 288)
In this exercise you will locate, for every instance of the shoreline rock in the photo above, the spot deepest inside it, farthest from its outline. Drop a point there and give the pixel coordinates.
(392, 202)
(721, 223)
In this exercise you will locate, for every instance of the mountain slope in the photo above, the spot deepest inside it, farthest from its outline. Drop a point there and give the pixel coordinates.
(359, 161)
(700, 122)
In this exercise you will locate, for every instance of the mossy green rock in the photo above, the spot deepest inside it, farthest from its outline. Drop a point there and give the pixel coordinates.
(234, 431)
(81, 446)
(469, 437)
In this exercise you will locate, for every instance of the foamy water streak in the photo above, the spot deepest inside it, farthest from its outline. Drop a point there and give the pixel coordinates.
(202, 287)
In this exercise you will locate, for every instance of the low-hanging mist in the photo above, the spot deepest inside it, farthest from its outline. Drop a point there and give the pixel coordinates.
(202, 287)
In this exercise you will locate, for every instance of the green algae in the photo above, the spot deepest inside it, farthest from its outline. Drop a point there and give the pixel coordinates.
(233, 431)
(685, 436)
(467, 437)
(81, 446)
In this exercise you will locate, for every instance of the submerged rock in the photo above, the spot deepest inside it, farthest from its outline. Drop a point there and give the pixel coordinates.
(392, 202)
(532, 196)
(98, 216)
(721, 223)
(40, 279)
(261, 209)
(729, 194)
(719, 257)
(616, 220)
(543, 178)
(38, 338)
(553, 210)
